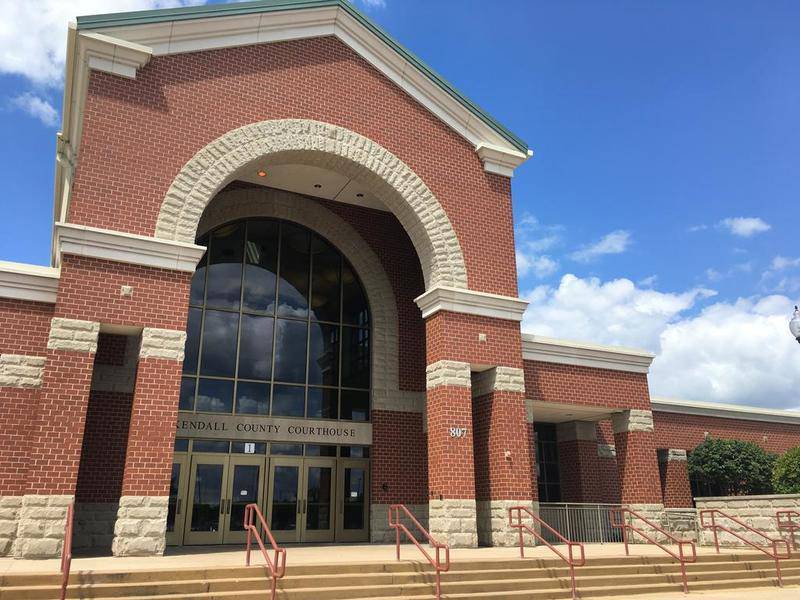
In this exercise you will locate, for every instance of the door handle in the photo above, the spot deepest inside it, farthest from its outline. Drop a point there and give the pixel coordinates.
(178, 507)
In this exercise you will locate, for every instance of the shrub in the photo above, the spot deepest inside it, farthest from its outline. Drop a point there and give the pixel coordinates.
(786, 473)
(731, 467)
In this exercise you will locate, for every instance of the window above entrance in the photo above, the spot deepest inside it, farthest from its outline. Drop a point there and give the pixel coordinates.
(278, 325)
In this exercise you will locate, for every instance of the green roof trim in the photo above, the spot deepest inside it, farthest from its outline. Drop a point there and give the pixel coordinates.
(146, 17)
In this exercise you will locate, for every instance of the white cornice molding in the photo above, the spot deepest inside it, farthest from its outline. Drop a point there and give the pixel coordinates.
(28, 282)
(470, 303)
(500, 160)
(498, 154)
(543, 349)
(113, 55)
(724, 411)
(124, 247)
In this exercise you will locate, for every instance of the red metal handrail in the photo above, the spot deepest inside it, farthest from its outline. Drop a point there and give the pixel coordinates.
(436, 563)
(714, 526)
(786, 521)
(569, 559)
(66, 551)
(618, 520)
(277, 567)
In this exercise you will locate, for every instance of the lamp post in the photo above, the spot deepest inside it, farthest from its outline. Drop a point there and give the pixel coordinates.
(794, 324)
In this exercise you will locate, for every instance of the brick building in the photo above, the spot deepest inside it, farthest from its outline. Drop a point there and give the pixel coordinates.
(272, 282)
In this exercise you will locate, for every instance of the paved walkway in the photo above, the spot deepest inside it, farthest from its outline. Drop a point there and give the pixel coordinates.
(218, 556)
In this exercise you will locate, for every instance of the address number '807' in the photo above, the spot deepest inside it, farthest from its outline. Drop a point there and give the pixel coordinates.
(458, 432)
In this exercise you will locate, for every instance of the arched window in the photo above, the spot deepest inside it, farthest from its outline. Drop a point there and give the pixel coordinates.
(278, 325)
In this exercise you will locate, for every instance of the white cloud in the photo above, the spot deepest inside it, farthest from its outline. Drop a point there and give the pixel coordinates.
(33, 33)
(779, 263)
(745, 226)
(737, 352)
(648, 281)
(540, 266)
(374, 3)
(533, 239)
(36, 107)
(615, 242)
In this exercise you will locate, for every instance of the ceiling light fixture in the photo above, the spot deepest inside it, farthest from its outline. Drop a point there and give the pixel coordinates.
(262, 173)
(359, 195)
(317, 185)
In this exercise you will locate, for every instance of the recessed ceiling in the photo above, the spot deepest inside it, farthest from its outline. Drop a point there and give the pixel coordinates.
(312, 181)
(555, 412)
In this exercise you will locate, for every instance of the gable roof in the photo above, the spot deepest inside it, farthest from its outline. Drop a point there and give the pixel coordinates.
(125, 22)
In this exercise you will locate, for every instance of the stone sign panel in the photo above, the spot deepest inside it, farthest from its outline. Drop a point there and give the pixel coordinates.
(273, 429)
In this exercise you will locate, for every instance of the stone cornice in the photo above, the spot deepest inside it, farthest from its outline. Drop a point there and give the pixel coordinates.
(543, 349)
(471, 303)
(81, 240)
(28, 282)
(499, 160)
(113, 55)
(724, 411)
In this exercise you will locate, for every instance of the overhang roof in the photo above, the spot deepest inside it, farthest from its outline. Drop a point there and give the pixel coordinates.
(260, 7)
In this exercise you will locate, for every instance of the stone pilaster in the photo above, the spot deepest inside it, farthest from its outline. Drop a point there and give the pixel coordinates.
(451, 464)
(141, 526)
(41, 523)
(140, 529)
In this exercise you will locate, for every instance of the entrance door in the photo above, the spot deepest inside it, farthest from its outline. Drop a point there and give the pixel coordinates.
(245, 482)
(176, 507)
(204, 516)
(283, 507)
(319, 485)
(352, 523)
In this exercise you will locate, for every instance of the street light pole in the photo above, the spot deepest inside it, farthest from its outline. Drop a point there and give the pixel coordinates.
(794, 324)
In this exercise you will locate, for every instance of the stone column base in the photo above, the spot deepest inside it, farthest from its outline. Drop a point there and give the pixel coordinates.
(454, 522)
(141, 526)
(379, 531)
(41, 524)
(94, 525)
(9, 518)
(493, 527)
(651, 512)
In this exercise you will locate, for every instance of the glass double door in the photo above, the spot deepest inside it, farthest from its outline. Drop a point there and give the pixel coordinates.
(318, 500)
(302, 499)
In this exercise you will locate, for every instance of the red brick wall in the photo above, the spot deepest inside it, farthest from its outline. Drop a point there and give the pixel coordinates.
(638, 468)
(25, 326)
(454, 336)
(577, 465)
(90, 290)
(675, 486)
(451, 464)
(684, 432)
(17, 408)
(499, 425)
(105, 439)
(399, 458)
(569, 384)
(126, 168)
(530, 436)
(111, 349)
(148, 462)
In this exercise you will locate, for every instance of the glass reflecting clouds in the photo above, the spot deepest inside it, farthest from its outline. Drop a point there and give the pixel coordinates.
(278, 324)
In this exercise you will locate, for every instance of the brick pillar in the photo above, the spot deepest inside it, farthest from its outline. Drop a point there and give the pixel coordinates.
(20, 387)
(502, 452)
(675, 487)
(140, 529)
(637, 463)
(451, 464)
(56, 438)
(578, 461)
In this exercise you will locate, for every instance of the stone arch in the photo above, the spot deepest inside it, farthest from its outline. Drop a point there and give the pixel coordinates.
(271, 203)
(319, 144)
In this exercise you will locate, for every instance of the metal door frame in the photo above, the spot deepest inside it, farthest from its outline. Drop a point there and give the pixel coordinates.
(352, 535)
(205, 537)
(240, 537)
(175, 537)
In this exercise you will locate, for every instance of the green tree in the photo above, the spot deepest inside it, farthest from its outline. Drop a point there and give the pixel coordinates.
(786, 473)
(732, 467)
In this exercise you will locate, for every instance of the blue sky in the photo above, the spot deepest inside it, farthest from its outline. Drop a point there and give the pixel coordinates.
(659, 210)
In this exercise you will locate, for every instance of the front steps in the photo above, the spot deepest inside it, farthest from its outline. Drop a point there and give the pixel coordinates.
(497, 579)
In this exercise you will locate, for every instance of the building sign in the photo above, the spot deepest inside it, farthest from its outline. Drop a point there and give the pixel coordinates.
(273, 429)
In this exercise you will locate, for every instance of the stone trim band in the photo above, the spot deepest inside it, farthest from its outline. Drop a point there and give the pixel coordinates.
(498, 379)
(448, 373)
(21, 371)
(632, 420)
(162, 343)
(73, 334)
